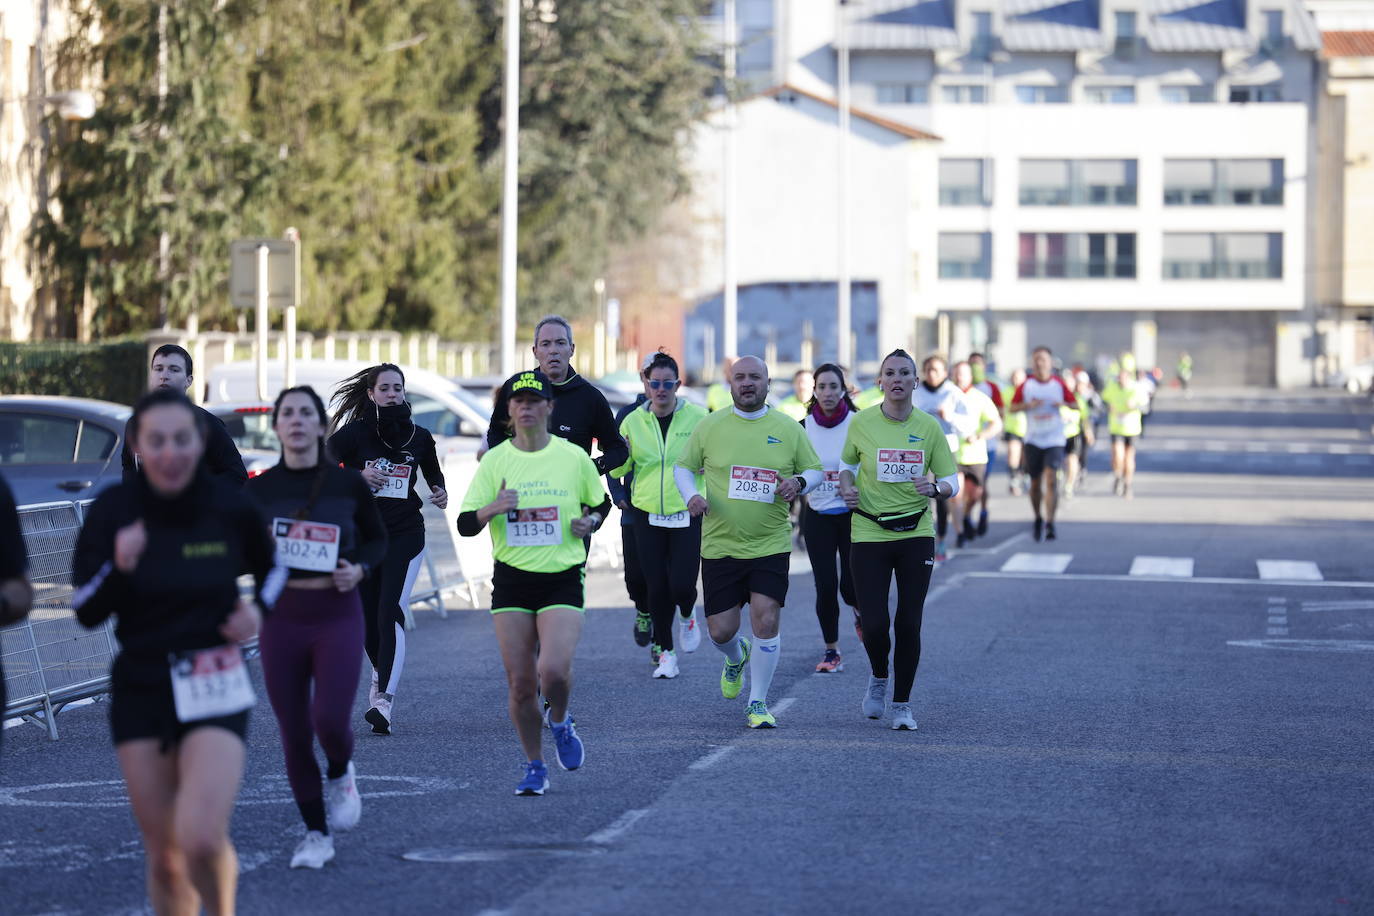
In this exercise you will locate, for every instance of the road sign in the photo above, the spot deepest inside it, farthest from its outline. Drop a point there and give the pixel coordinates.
(283, 272)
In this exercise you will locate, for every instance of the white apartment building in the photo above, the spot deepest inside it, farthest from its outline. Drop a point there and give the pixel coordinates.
(1109, 174)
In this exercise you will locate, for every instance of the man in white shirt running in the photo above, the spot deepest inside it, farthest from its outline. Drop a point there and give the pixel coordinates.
(1040, 398)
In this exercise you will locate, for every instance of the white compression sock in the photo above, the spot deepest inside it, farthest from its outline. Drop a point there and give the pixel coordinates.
(763, 661)
(731, 649)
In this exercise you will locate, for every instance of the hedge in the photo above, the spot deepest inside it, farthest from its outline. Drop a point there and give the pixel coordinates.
(112, 371)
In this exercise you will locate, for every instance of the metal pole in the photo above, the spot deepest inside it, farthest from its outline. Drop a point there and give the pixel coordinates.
(843, 321)
(289, 364)
(510, 107)
(261, 324)
(730, 318)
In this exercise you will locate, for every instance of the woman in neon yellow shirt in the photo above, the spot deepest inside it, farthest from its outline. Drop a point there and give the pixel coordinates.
(1125, 400)
(542, 496)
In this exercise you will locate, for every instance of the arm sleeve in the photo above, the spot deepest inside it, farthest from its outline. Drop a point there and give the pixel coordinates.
(222, 457)
(500, 415)
(619, 493)
(996, 396)
(686, 483)
(1019, 397)
(614, 451)
(593, 494)
(953, 481)
(100, 588)
(340, 446)
(1068, 395)
(942, 461)
(429, 463)
(371, 532)
(813, 479)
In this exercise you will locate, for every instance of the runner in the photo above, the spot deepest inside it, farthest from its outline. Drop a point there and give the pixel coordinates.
(755, 461)
(1185, 373)
(16, 594)
(542, 496)
(635, 585)
(375, 435)
(942, 399)
(329, 535)
(1014, 434)
(825, 519)
(973, 456)
(580, 412)
(163, 554)
(668, 539)
(891, 450)
(1125, 402)
(1078, 433)
(1040, 398)
(983, 383)
(718, 395)
(803, 386)
(170, 368)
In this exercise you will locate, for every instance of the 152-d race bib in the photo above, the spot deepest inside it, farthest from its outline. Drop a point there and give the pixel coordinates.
(312, 546)
(676, 520)
(755, 484)
(534, 527)
(208, 683)
(397, 485)
(896, 465)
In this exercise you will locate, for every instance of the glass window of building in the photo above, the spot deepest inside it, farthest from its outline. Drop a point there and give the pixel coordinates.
(1109, 95)
(1077, 182)
(1187, 95)
(1273, 30)
(1042, 95)
(1223, 182)
(1190, 182)
(902, 93)
(1076, 255)
(982, 45)
(964, 94)
(963, 183)
(1045, 182)
(1270, 92)
(965, 255)
(1223, 256)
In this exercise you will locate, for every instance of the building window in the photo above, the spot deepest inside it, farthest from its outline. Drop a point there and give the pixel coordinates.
(1273, 31)
(1223, 182)
(902, 93)
(1127, 41)
(963, 183)
(1223, 256)
(1042, 95)
(965, 255)
(1109, 95)
(966, 94)
(1187, 95)
(982, 45)
(1076, 255)
(1270, 92)
(1078, 182)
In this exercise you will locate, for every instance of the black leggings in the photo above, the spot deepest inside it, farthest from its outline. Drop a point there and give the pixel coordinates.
(383, 593)
(826, 536)
(874, 565)
(941, 517)
(670, 559)
(635, 586)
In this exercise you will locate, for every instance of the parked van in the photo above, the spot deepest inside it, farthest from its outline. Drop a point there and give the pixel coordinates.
(438, 404)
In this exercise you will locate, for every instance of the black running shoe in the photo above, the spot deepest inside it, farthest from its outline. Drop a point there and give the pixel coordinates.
(644, 627)
(983, 523)
(1049, 531)
(1039, 528)
(969, 533)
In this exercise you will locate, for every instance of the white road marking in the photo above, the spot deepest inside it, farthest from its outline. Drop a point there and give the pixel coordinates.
(989, 551)
(1276, 631)
(1339, 448)
(1279, 620)
(1038, 563)
(1274, 599)
(1317, 606)
(1288, 569)
(782, 705)
(1306, 645)
(1196, 580)
(266, 790)
(1182, 567)
(1255, 447)
(712, 758)
(618, 826)
(1214, 446)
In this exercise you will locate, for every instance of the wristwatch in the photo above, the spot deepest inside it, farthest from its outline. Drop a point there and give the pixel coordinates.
(801, 482)
(937, 494)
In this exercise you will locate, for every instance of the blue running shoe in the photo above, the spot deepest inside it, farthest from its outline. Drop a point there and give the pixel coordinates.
(571, 754)
(536, 779)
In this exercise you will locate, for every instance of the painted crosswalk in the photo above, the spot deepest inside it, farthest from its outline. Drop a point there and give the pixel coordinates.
(1288, 569)
(1154, 567)
(1162, 566)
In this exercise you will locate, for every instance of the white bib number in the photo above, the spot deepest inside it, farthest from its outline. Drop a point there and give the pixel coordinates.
(754, 484)
(676, 520)
(312, 546)
(534, 527)
(1046, 423)
(208, 683)
(897, 465)
(397, 484)
(828, 486)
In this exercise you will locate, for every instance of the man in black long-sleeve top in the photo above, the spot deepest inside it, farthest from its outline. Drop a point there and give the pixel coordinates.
(580, 412)
(171, 368)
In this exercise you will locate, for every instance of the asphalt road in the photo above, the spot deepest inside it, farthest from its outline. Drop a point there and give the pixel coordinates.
(1168, 709)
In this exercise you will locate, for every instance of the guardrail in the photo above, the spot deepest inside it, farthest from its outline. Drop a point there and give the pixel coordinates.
(51, 661)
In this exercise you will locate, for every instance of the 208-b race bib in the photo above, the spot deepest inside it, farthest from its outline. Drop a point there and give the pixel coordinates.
(754, 484)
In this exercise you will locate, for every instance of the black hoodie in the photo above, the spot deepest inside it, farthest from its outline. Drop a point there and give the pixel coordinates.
(580, 415)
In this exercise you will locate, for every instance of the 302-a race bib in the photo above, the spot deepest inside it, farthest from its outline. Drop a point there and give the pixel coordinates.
(397, 485)
(896, 465)
(676, 520)
(534, 527)
(312, 546)
(208, 683)
(754, 484)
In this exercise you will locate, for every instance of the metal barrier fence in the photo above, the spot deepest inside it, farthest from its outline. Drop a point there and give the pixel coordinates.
(50, 660)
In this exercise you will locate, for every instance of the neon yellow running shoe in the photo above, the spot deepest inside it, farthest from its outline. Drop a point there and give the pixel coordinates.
(732, 678)
(759, 716)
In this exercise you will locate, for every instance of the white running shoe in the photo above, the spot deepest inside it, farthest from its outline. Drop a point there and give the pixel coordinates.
(314, 851)
(342, 801)
(379, 716)
(374, 693)
(875, 697)
(902, 719)
(667, 665)
(688, 633)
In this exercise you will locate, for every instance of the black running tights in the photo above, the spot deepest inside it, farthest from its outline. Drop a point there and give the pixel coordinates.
(874, 565)
(383, 592)
(827, 537)
(671, 559)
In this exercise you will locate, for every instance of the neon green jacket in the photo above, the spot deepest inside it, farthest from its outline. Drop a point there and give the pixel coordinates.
(652, 457)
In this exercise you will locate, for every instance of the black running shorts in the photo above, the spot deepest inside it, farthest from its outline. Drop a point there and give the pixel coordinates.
(727, 583)
(531, 592)
(1037, 459)
(139, 711)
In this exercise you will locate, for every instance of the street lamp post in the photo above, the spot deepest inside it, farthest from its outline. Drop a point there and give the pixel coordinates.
(510, 189)
(844, 323)
(730, 316)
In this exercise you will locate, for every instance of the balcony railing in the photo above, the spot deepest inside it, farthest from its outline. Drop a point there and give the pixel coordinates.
(1223, 270)
(1079, 196)
(1077, 269)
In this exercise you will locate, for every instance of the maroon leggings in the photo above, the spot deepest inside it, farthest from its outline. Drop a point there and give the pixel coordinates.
(313, 635)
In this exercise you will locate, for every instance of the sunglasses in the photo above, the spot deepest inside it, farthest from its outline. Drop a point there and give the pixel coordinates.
(662, 383)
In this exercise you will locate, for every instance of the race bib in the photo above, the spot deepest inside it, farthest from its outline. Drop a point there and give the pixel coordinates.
(397, 485)
(1045, 423)
(534, 527)
(897, 465)
(676, 520)
(828, 486)
(208, 683)
(754, 484)
(312, 546)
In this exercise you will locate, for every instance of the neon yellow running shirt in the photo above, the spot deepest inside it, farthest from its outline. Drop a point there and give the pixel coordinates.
(554, 483)
(889, 455)
(743, 462)
(1013, 423)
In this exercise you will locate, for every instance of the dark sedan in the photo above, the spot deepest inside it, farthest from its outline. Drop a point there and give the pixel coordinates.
(59, 449)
